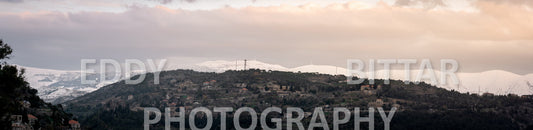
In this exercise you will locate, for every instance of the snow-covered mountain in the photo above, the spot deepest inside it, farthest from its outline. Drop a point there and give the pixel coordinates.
(497, 82)
(57, 86)
(494, 81)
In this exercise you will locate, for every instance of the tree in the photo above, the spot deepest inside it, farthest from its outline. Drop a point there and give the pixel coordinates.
(5, 50)
(14, 90)
(8, 72)
(10, 79)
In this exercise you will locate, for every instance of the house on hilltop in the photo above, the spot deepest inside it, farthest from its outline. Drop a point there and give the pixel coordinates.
(74, 125)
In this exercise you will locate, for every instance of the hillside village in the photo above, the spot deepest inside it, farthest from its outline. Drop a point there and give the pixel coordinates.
(260, 89)
(208, 93)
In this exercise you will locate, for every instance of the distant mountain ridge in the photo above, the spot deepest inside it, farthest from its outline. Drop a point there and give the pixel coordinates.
(58, 86)
(498, 82)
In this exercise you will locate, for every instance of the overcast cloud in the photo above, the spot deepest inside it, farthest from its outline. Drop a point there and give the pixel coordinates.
(498, 35)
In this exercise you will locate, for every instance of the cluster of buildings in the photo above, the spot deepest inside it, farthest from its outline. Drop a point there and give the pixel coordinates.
(17, 123)
(30, 121)
(209, 93)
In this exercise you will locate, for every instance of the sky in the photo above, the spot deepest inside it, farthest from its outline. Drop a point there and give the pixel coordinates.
(480, 34)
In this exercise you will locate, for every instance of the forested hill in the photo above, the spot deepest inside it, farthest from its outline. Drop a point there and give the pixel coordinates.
(421, 106)
(20, 107)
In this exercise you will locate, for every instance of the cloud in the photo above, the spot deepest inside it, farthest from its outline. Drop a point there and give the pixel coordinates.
(164, 1)
(288, 35)
(170, 1)
(516, 2)
(12, 1)
(428, 4)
